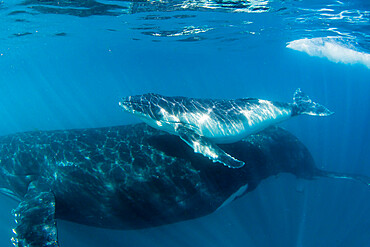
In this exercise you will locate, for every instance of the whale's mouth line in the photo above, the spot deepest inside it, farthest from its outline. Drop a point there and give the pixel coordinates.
(138, 109)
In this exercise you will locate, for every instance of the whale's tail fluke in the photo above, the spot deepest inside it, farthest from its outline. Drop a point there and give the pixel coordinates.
(303, 105)
(355, 177)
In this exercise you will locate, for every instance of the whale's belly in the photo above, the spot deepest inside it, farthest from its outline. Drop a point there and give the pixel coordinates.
(234, 128)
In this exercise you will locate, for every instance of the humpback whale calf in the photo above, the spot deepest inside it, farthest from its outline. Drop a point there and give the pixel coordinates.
(203, 123)
(132, 177)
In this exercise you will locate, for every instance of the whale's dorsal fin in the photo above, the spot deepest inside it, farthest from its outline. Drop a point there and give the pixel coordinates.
(206, 147)
(35, 218)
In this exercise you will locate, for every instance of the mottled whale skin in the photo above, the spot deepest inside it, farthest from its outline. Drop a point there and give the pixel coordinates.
(132, 177)
(202, 123)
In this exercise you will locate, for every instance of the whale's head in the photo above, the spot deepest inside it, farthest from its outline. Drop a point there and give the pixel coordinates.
(153, 109)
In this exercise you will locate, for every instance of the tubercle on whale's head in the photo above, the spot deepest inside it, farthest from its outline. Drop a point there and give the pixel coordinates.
(147, 106)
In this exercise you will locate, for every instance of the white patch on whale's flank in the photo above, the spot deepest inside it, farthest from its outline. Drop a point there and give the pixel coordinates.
(231, 129)
(264, 115)
(333, 48)
(238, 193)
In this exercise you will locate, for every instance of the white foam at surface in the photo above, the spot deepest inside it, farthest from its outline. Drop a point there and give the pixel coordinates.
(332, 49)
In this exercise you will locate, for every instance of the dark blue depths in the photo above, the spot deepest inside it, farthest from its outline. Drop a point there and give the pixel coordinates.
(75, 80)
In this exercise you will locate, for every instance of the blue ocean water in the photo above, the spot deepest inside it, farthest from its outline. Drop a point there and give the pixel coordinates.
(66, 64)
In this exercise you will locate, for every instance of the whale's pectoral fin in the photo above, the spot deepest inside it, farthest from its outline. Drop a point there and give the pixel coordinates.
(206, 147)
(35, 218)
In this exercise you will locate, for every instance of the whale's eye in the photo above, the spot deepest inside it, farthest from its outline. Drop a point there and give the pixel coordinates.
(162, 111)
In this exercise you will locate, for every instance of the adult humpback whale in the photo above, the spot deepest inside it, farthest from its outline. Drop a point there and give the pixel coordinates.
(132, 177)
(202, 123)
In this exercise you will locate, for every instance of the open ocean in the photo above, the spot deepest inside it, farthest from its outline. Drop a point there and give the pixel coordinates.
(66, 64)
